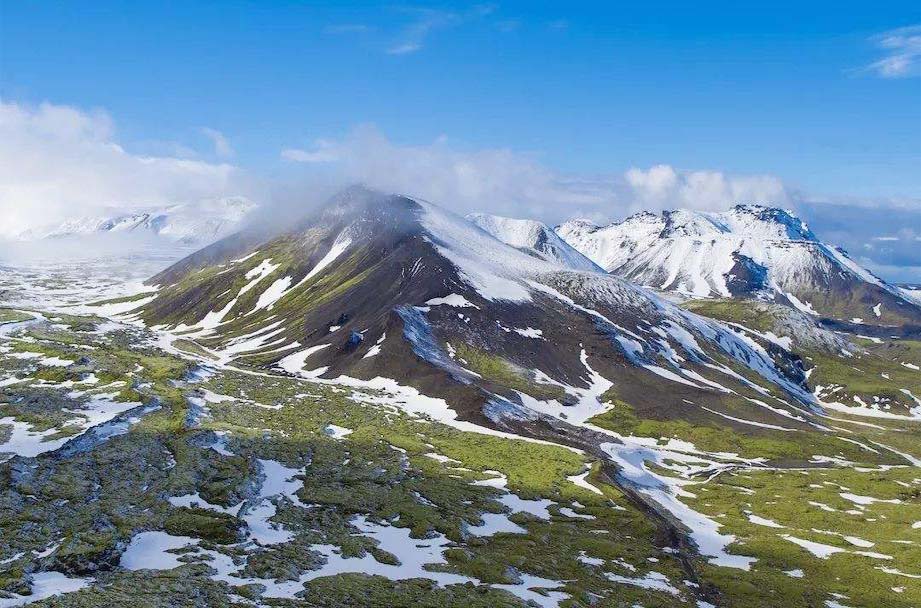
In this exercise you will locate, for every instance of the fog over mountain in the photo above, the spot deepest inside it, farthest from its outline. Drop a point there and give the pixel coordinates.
(93, 177)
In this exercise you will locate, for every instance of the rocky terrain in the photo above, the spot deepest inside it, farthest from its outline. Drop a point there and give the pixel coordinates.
(750, 251)
(390, 405)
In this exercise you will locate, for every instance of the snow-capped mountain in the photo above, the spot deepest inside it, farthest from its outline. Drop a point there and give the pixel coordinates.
(384, 292)
(534, 238)
(196, 223)
(912, 292)
(748, 251)
(381, 286)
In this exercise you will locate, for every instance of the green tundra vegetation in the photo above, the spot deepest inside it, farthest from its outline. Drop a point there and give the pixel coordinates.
(842, 530)
(13, 316)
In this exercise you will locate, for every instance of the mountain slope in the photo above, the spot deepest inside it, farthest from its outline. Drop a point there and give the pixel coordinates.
(249, 483)
(385, 286)
(385, 405)
(748, 251)
(437, 318)
(534, 238)
(386, 268)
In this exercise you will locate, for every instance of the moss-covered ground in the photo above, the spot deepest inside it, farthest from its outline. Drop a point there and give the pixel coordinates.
(8, 315)
(76, 511)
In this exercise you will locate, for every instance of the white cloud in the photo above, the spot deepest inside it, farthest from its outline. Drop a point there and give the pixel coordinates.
(324, 151)
(499, 180)
(405, 48)
(656, 183)
(222, 147)
(903, 53)
(416, 25)
(59, 162)
(504, 182)
(662, 186)
(413, 36)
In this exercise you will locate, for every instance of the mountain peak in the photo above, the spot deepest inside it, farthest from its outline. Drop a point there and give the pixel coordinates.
(433, 298)
(682, 222)
(743, 219)
(534, 238)
(751, 250)
(357, 198)
(641, 216)
(792, 226)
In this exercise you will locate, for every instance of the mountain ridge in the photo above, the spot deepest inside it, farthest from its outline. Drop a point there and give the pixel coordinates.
(386, 286)
(392, 295)
(533, 237)
(752, 251)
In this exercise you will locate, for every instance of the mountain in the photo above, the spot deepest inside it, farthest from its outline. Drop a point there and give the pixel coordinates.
(198, 223)
(607, 449)
(749, 251)
(388, 324)
(534, 238)
(911, 291)
(377, 286)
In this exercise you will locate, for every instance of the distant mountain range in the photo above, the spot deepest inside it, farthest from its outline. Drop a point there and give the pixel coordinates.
(197, 223)
(750, 251)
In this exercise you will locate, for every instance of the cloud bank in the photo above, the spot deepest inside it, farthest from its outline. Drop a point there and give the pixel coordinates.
(662, 186)
(504, 182)
(58, 162)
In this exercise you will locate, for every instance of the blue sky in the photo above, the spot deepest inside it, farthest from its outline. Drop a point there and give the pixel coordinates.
(823, 96)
